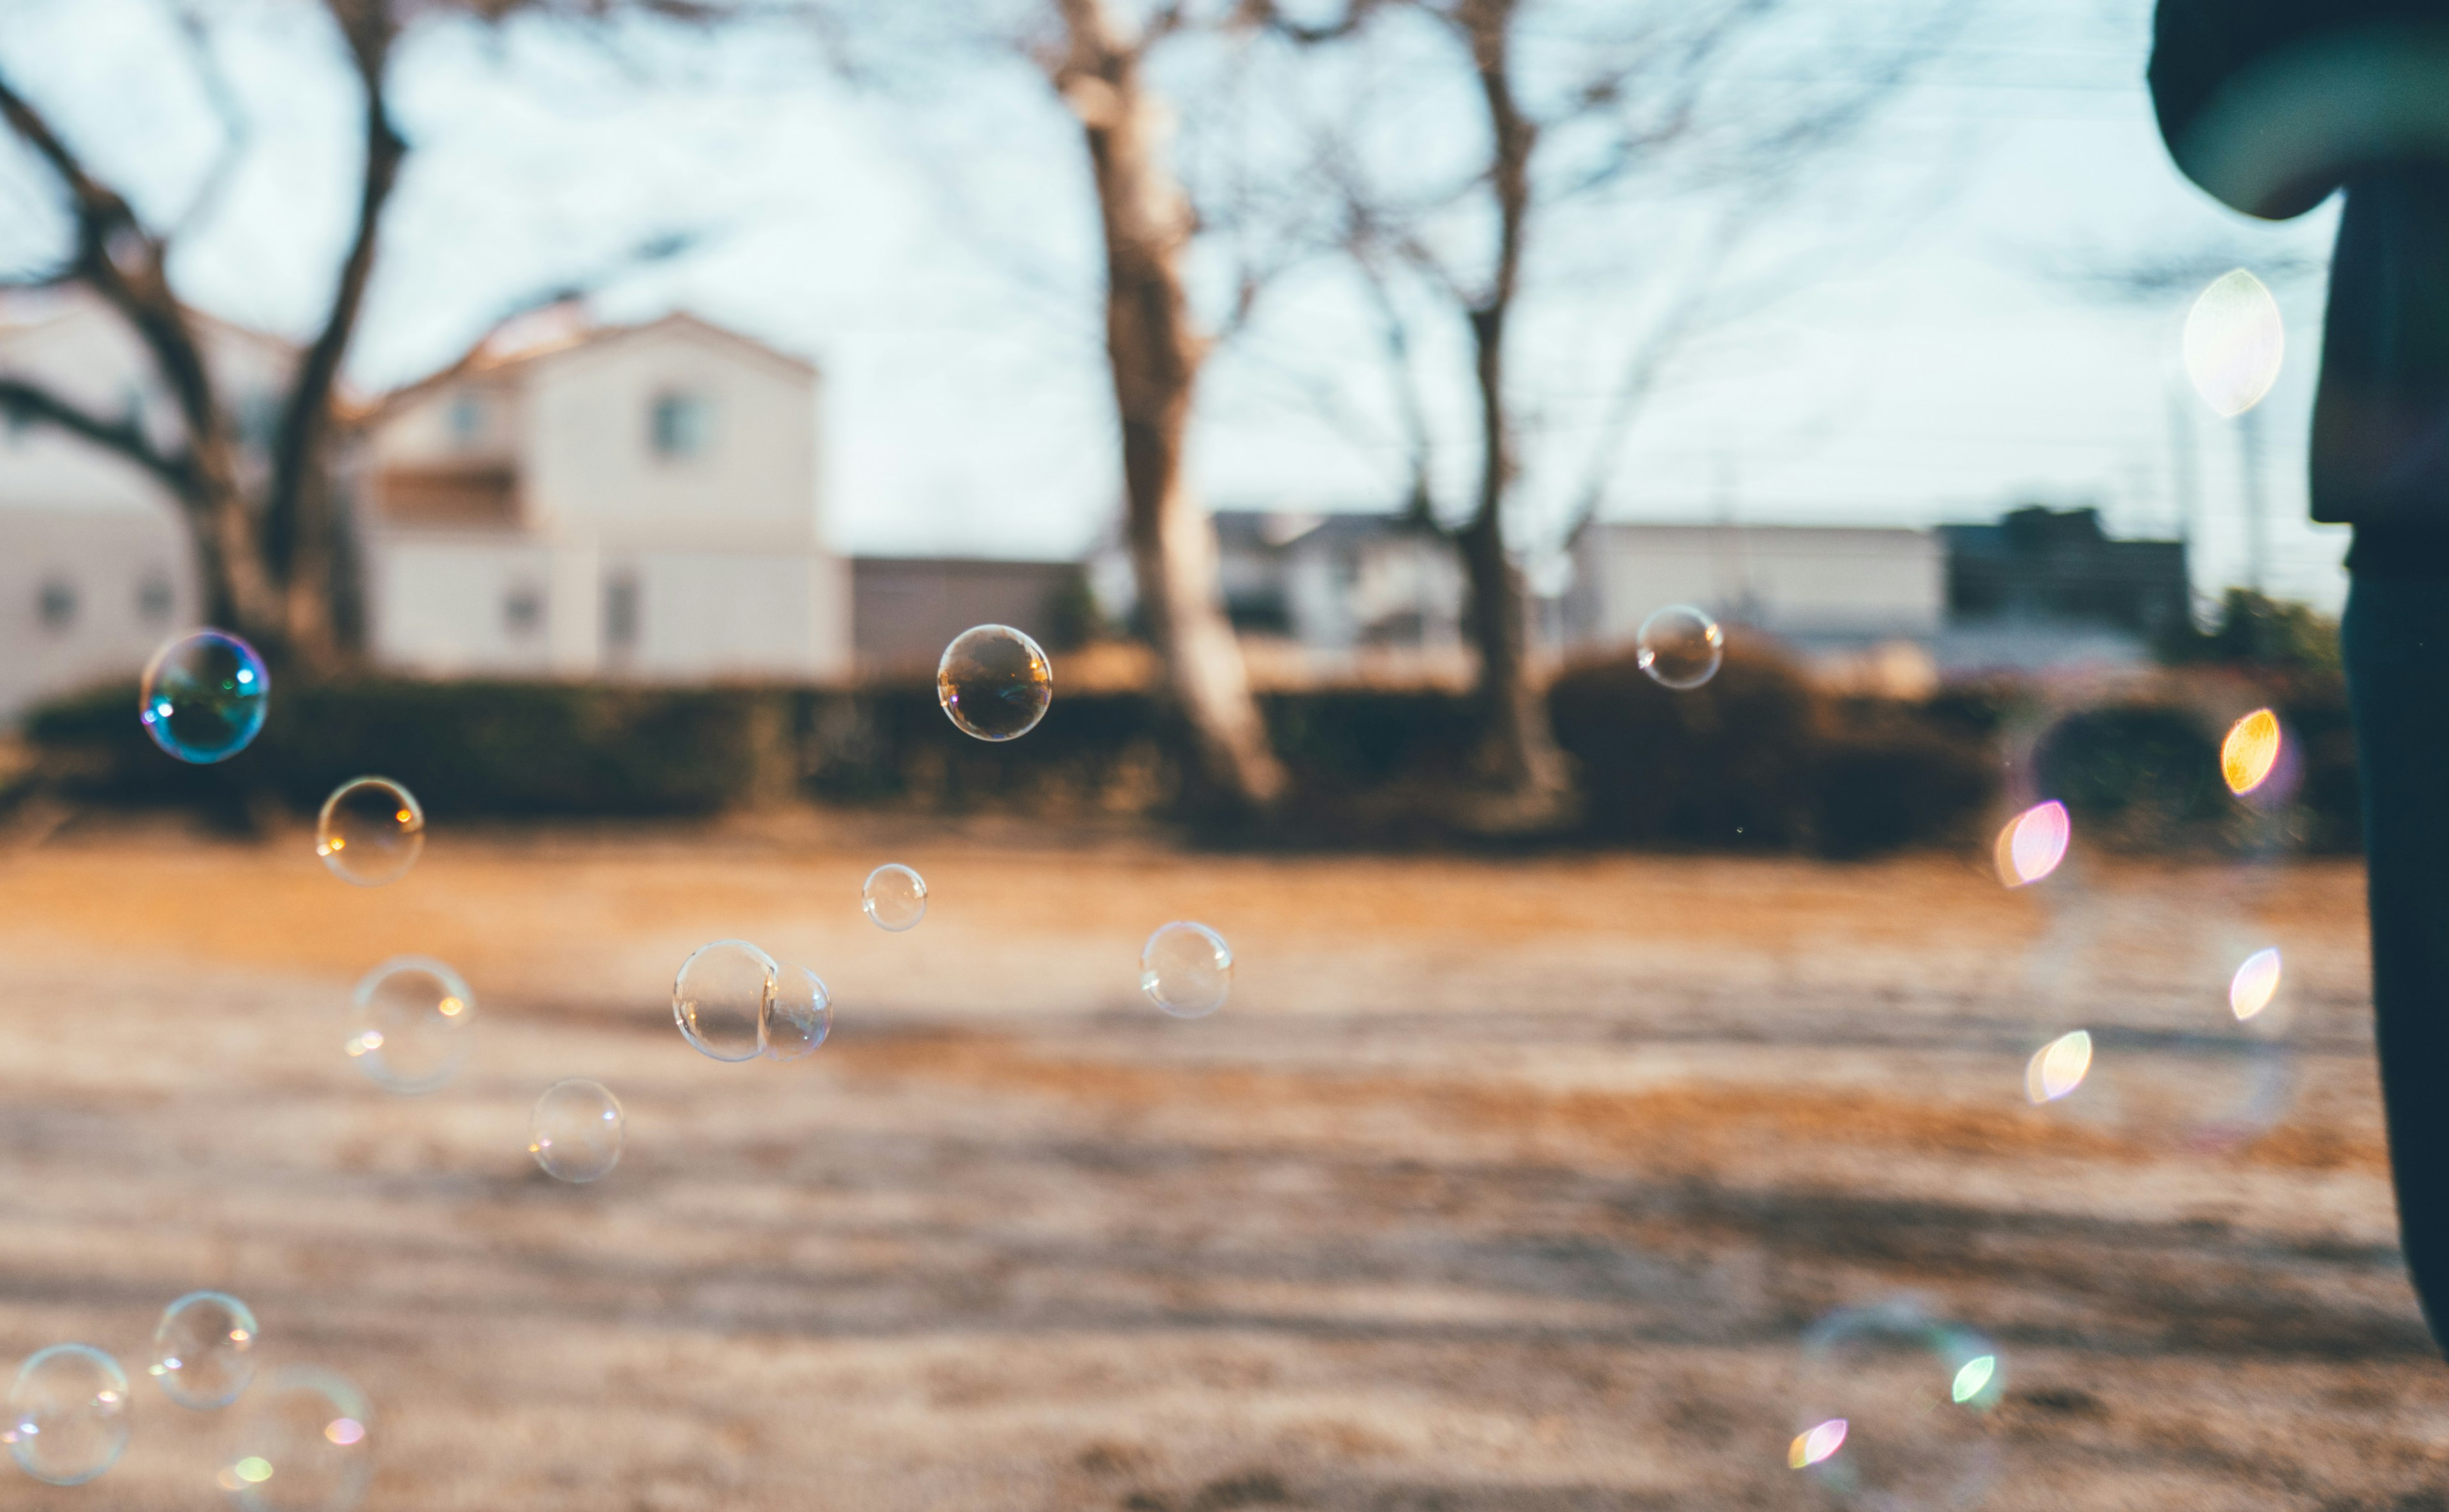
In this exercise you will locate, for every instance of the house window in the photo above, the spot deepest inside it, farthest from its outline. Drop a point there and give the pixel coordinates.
(153, 600)
(679, 425)
(523, 611)
(466, 419)
(621, 613)
(57, 603)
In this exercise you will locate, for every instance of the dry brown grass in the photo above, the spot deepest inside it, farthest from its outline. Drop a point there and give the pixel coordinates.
(1498, 1185)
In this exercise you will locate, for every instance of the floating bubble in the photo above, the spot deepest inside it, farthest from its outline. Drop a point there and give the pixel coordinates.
(411, 1023)
(995, 682)
(1186, 970)
(894, 897)
(203, 697)
(2033, 843)
(302, 1445)
(2234, 342)
(2255, 983)
(1680, 647)
(370, 831)
(800, 1015)
(721, 996)
(68, 1414)
(575, 1132)
(1895, 1409)
(2250, 750)
(2057, 1068)
(204, 1352)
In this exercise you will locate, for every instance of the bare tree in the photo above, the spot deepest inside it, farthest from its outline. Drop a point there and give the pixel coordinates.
(1579, 105)
(269, 549)
(1155, 349)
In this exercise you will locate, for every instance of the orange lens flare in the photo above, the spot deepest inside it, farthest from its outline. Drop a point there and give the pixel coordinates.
(2250, 750)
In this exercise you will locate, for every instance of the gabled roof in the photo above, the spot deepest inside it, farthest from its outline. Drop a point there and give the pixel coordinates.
(559, 329)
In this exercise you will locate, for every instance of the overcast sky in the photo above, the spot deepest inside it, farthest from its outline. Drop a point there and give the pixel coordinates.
(931, 244)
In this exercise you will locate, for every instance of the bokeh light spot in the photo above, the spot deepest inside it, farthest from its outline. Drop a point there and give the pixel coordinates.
(2033, 843)
(2250, 750)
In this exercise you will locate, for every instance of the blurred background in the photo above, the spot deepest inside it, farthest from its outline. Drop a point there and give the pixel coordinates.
(602, 414)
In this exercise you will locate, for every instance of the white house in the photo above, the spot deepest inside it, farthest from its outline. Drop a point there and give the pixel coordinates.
(634, 501)
(572, 502)
(95, 570)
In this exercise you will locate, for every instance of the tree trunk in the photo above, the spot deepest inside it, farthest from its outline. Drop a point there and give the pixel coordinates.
(1521, 748)
(1155, 352)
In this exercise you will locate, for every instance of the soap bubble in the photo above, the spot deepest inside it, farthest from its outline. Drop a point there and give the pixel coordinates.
(203, 1352)
(2235, 340)
(2255, 983)
(894, 897)
(2032, 843)
(1186, 970)
(68, 1414)
(303, 1446)
(800, 1015)
(721, 998)
(2058, 1068)
(203, 697)
(411, 1024)
(576, 1133)
(370, 831)
(995, 682)
(1680, 647)
(1895, 1410)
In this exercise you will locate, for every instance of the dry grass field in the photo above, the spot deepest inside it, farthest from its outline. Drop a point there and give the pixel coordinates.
(1498, 1186)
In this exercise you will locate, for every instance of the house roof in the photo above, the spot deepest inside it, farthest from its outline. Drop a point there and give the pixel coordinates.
(563, 328)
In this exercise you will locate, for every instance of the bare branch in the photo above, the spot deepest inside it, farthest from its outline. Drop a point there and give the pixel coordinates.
(236, 131)
(124, 437)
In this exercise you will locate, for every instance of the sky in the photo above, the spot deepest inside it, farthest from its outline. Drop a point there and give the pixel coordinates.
(1918, 347)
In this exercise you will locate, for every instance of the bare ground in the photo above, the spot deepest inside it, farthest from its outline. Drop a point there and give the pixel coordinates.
(1497, 1185)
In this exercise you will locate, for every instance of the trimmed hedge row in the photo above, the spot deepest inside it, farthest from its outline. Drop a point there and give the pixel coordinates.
(1757, 759)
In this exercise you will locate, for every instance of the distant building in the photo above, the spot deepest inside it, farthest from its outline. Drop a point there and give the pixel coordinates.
(907, 609)
(95, 567)
(1818, 587)
(636, 502)
(2048, 588)
(1338, 583)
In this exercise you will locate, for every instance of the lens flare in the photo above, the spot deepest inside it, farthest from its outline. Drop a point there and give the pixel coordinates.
(1819, 1443)
(2057, 1068)
(1973, 1378)
(2234, 342)
(2251, 752)
(2033, 844)
(2255, 983)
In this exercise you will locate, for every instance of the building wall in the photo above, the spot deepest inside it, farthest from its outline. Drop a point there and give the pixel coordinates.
(909, 608)
(703, 562)
(86, 596)
(82, 533)
(1789, 579)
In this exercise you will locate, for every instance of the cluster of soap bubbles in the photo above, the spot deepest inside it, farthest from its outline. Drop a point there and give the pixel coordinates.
(298, 1445)
(1893, 1409)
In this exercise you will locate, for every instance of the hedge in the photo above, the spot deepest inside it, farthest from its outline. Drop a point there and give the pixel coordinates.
(1756, 759)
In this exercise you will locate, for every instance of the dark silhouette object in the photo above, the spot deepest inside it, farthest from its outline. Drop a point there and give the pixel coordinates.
(2270, 105)
(2038, 564)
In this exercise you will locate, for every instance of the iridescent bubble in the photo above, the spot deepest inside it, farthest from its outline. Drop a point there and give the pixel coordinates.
(370, 831)
(894, 897)
(303, 1445)
(2255, 983)
(2058, 1068)
(203, 697)
(2032, 843)
(575, 1132)
(721, 998)
(1895, 1410)
(995, 682)
(1680, 647)
(68, 1414)
(2250, 750)
(411, 1024)
(2235, 340)
(1186, 970)
(204, 1352)
(800, 1015)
